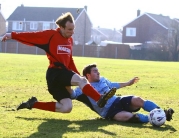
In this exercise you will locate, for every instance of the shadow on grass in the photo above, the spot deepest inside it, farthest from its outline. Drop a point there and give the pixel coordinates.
(58, 127)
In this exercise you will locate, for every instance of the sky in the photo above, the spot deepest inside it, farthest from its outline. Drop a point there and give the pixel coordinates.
(102, 13)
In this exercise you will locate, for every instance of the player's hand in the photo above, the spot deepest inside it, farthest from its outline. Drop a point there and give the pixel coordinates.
(134, 80)
(6, 37)
(69, 89)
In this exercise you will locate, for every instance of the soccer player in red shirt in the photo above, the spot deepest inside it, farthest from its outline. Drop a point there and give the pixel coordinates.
(62, 72)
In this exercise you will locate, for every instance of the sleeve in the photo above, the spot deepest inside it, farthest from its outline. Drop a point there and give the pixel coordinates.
(112, 84)
(72, 65)
(33, 38)
(76, 93)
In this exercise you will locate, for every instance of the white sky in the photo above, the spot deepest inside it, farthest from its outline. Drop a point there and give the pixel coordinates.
(103, 13)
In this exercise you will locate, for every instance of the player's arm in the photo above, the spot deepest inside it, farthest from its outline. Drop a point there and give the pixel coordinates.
(69, 89)
(30, 38)
(121, 84)
(72, 65)
(129, 83)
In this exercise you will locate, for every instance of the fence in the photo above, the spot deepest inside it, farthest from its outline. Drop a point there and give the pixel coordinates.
(120, 51)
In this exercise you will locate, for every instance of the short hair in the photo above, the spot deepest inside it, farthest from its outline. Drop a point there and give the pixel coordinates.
(87, 69)
(63, 19)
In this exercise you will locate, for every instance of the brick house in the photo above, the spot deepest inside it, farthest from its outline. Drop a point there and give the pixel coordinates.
(144, 27)
(155, 34)
(41, 18)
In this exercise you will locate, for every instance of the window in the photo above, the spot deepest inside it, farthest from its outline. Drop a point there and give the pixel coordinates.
(46, 26)
(17, 25)
(33, 25)
(130, 31)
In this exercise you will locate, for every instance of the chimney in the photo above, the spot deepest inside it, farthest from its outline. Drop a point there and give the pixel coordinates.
(138, 12)
(85, 8)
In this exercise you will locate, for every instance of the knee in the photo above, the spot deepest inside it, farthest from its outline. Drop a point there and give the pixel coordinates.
(137, 101)
(68, 109)
(67, 106)
(83, 82)
(140, 99)
(64, 106)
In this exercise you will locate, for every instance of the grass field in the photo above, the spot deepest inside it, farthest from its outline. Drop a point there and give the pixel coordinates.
(23, 76)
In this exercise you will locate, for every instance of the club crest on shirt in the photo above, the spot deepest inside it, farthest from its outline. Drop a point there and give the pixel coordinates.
(63, 49)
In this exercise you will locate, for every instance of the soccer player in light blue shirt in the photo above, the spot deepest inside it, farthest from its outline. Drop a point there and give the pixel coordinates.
(120, 108)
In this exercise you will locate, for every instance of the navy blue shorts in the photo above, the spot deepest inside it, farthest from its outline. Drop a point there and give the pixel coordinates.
(57, 79)
(122, 103)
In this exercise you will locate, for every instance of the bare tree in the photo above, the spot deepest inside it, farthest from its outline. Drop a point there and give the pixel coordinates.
(174, 40)
(168, 43)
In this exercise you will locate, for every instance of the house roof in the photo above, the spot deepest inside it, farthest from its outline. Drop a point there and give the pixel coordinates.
(164, 21)
(109, 32)
(97, 31)
(41, 13)
(91, 42)
(176, 19)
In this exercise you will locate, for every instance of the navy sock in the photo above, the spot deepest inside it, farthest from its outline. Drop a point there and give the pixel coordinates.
(149, 105)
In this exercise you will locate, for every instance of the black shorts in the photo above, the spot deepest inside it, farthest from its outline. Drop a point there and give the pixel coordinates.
(57, 79)
(122, 103)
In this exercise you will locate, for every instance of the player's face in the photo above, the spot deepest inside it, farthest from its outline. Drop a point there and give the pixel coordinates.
(68, 31)
(94, 75)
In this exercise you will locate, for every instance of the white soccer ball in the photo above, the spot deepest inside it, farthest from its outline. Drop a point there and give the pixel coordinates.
(157, 117)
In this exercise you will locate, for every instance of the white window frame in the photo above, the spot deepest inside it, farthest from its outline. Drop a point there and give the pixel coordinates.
(33, 25)
(131, 31)
(46, 25)
(17, 25)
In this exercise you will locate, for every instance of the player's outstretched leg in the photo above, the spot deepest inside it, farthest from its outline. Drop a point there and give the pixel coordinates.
(169, 113)
(27, 105)
(104, 98)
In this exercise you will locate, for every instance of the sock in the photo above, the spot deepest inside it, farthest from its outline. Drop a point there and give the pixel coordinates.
(149, 105)
(48, 106)
(143, 118)
(88, 90)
